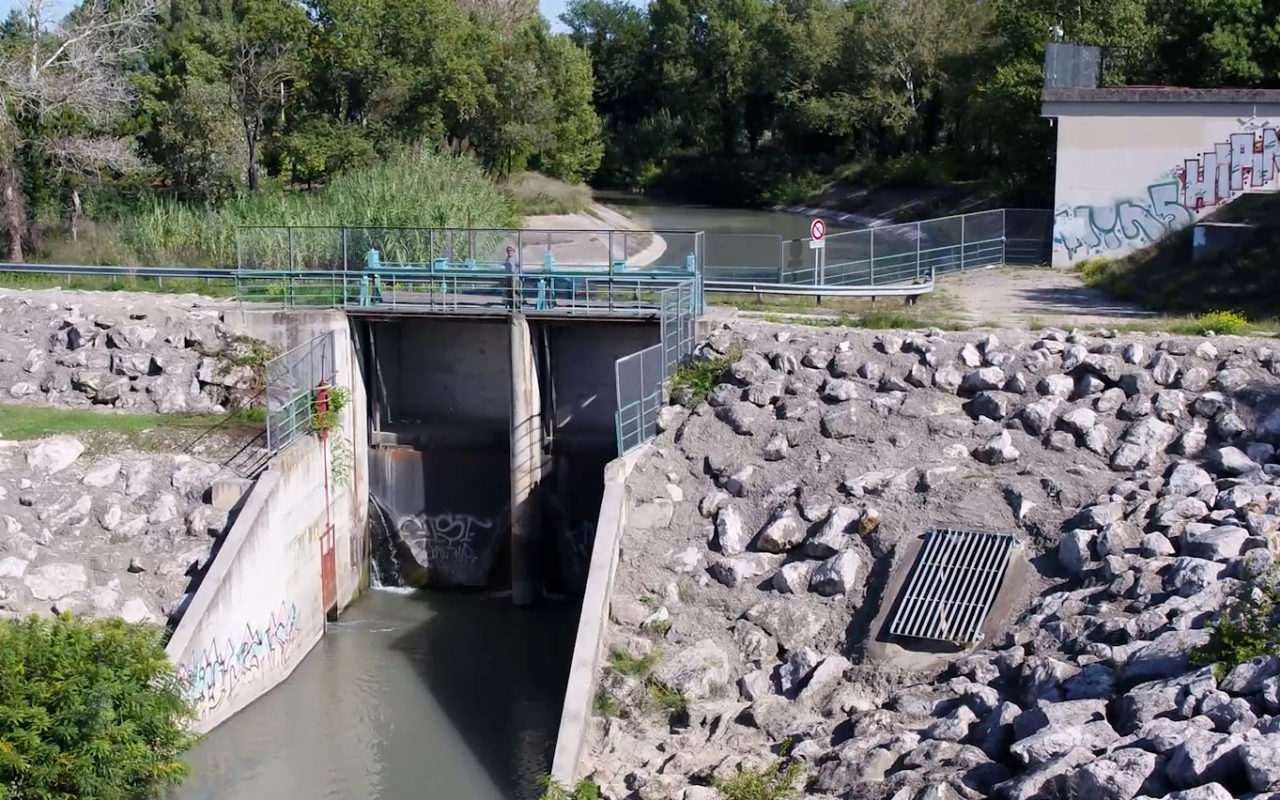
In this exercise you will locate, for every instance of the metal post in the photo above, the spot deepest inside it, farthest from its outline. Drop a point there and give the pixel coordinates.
(345, 264)
(918, 240)
(291, 253)
(1004, 234)
(782, 260)
(872, 260)
(962, 216)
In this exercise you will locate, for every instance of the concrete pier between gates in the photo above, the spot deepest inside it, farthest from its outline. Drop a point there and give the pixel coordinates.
(528, 463)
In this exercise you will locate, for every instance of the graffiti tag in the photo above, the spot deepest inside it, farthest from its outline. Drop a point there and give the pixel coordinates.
(1097, 229)
(450, 544)
(1247, 160)
(217, 672)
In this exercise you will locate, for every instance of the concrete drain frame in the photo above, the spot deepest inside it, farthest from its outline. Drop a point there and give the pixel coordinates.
(952, 585)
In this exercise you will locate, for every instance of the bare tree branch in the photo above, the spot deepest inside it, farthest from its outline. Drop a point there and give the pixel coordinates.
(85, 70)
(92, 155)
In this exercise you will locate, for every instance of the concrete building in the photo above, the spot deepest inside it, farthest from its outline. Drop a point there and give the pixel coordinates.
(1135, 163)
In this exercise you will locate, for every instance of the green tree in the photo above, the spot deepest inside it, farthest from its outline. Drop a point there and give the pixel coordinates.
(88, 709)
(574, 148)
(1218, 42)
(262, 63)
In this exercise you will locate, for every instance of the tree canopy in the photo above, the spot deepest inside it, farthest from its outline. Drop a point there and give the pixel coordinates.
(730, 101)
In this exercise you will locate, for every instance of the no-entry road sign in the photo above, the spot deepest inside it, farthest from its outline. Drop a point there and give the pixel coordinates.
(817, 230)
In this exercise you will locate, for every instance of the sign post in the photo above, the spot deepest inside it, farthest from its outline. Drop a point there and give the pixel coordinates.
(818, 243)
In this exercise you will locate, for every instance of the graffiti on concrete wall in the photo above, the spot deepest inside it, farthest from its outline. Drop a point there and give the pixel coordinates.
(453, 545)
(1127, 224)
(217, 672)
(1248, 160)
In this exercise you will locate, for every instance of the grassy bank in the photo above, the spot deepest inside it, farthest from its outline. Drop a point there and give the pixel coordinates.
(1164, 277)
(100, 427)
(424, 190)
(906, 188)
(533, 194)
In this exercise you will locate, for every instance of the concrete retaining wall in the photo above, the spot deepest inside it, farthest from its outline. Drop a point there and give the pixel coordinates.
(258, 611)
(259, 608)
(575, 717)
(1134, 167)
(285, 330)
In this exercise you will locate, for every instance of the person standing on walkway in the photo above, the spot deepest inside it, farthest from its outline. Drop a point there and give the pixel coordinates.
(512, 267)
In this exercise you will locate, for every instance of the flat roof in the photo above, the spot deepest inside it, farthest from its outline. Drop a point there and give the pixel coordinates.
(1159, 94)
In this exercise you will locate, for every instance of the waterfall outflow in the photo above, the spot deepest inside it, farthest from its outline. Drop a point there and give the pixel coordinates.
(385, 570)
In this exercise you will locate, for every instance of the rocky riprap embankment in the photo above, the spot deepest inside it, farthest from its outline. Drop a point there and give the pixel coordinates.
(114, 535)
(1139, 473)
(125, 351)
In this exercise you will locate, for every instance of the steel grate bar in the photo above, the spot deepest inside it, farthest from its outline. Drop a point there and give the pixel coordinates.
(956, 578)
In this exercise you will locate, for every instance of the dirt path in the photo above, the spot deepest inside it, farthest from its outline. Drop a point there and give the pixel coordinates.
(1020, 296)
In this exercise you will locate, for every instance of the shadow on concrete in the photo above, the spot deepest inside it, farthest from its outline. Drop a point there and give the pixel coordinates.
(1080, 300)
(499, 673)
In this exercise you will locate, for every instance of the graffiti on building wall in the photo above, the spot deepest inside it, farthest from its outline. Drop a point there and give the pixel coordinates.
(218, 671)
(1093, 230)
(1249, 160)
(453, 544)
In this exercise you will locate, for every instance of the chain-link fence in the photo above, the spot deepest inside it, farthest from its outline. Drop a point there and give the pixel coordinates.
(292, 380)
(358, 248)
(890, 254)
(639, 377)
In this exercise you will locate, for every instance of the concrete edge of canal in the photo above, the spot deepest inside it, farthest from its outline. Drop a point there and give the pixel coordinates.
(575, 715)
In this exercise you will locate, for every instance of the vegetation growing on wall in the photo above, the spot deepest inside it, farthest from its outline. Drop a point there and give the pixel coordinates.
(88, 709)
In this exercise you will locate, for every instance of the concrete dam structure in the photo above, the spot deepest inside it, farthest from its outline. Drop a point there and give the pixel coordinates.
(488, 440)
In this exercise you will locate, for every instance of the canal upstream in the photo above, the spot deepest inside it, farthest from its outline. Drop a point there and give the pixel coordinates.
(425, 695)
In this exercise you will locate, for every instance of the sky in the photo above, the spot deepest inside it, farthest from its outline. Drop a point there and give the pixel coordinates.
(551, 9)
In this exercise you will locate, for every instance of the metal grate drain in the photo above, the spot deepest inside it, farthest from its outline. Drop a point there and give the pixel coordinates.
(952, 586)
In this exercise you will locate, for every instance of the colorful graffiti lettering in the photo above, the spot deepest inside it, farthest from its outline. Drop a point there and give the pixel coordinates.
(1136, 223)
(217, 672)
(1247, 160)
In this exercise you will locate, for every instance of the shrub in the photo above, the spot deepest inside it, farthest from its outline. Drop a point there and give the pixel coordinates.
(1246, 626)
(88, 709)
(775, 781)
(1227, 323)
(554, 790)
(693, 380)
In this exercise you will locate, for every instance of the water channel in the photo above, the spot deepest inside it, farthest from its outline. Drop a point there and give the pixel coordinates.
(424, 695)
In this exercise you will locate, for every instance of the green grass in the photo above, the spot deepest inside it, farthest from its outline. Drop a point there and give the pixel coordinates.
(886, 320)
(694, 378)
(20, 422)
(605, 704)
(1223, 323)
(1245, 627)
(533, 194)
(1163, 277)
(778, 780)
(422, 190)
(938, 309)
(102, 283)
(624, 663)
(582, 790)
(668, 699)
